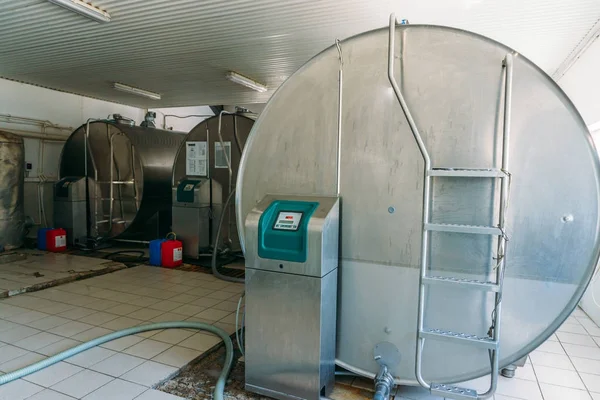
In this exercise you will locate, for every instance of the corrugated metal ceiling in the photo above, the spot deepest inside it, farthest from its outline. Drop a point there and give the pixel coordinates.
(182, 48)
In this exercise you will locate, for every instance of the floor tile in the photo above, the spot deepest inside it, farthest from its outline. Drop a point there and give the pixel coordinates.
(90, 357)
(70, 328)
(586, 365)
(101, 305)
(152, 394)
(82, 383)
(184, 298)
(29, 316)
(7, 310)
(229, 328)
(540, 358)
(212, 315)
(7, 325)
(595, 396)
(19, 390)
(10, 352)
(169, 317)
(519, 388)
(144, 301)
(58, 347)
(177, 356)
(574, 350)
(551, 347)
(20, 362)
(49, 394)
(200, 341)
(591, 382)
(149, 373)
(553, 392)
(574, 338)
(189, 309)
(206, 302)
(559, 377)
(220, 295)
(122, 323)
(53, 374)
(98, 318)
(123, 309)
(122, 343)
(570, 328)
(76, 313)
(37, 341)
(17, 333)
(145, 314)
(172, 336)
(592, 329)
(92, 333)
(166, 305)
(117, 364)
(117, 390)
(147, 348)
(226, 306)
(48, 323)
(526, 372)
(416, 393)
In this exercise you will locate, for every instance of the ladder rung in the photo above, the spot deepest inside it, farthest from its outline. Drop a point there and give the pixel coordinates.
(456, 228)
(467, 172)
(473, 340)
(452, 392)
(464, 283)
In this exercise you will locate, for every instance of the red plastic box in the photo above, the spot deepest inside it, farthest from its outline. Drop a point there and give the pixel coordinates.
(171, 253)
(56, 240)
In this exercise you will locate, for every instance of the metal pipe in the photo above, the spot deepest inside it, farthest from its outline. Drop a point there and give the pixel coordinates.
(339, 133)
(34, 135)
(213, 262)
(227, 209)
(502, 241)
(426, 196)
(132, 241)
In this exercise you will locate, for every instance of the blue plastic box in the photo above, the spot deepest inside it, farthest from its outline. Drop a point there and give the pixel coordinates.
(155, 251)
(41, 238)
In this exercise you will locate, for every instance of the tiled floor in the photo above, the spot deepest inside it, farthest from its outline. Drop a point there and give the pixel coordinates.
(566, 367)
(41, 268)
(36, 325)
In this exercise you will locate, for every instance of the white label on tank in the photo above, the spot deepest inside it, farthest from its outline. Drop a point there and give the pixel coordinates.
(177, 254)
(60, 241)
(195, 158)
(220, 160)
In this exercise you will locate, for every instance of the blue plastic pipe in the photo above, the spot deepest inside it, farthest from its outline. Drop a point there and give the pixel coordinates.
(219, 387)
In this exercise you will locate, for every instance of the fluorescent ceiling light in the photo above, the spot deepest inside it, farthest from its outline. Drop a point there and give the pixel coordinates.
(242, 80)
(134, 90)
(83, 8)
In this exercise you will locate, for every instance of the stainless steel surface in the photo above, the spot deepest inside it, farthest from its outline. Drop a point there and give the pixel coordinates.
(291, 308)
(453, 392)
(290, 334)
(44, 45)
(143, 156)
(70, 210)
(192, 221)
(12, 180)
(323, 234)
(452, 80)
(235, 130)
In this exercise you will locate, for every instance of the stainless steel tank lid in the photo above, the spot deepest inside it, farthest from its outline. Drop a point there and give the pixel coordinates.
(452, 81)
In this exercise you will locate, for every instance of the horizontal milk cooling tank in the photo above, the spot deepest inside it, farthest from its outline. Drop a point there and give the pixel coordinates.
(453, 83)
(235, 129)
(130, 164)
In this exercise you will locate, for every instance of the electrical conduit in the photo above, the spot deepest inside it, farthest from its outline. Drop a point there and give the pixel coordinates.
(219, 387)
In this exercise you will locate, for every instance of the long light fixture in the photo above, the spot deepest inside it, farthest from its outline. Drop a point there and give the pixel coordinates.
(244, 81)
(83, 8)
(137, 91)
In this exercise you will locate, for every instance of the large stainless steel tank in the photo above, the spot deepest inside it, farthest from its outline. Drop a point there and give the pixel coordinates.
(453, 83)
(235, 129)
(130, 164)
(12, 180)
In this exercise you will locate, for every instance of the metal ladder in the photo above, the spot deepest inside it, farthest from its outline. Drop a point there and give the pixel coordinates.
(490, 342)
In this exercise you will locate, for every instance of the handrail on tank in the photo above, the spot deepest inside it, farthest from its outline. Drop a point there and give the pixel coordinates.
(426, 195)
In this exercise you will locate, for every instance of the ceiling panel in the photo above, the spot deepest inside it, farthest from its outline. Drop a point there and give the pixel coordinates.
(182, 48)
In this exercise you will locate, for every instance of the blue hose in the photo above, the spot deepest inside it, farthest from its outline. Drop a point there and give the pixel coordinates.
(219, 387)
